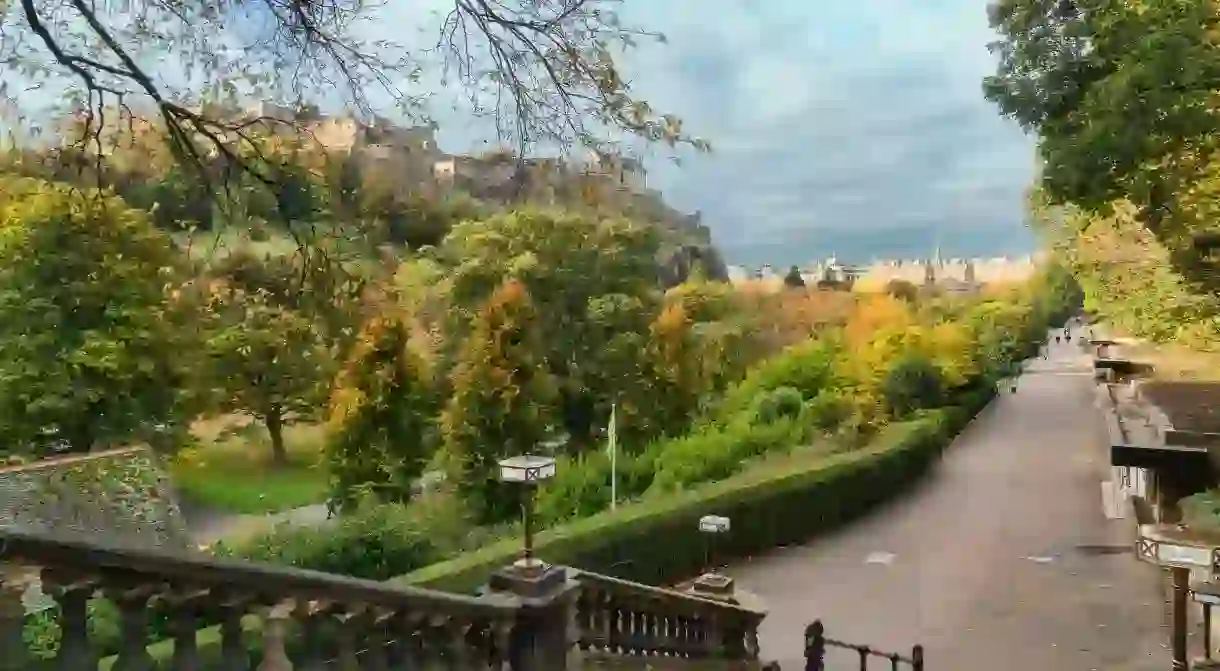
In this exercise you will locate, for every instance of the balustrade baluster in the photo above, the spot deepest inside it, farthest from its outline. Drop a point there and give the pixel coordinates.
(617, 641)
(275, 632)
(677, 634)
(317, 635)
(665, 634)
(183, 610)
(457, 638)
(584, 618)
(413, 635)
(381, 654)
(14, 581)
(352, 625)
(648, 632)
(75, 651)
(134, 605)
(233, 652)
(602, 616)
(435, 643)
(700, 638)
(501, 641)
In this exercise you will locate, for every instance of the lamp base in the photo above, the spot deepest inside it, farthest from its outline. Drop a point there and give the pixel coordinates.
(531, 578)
(711, 585)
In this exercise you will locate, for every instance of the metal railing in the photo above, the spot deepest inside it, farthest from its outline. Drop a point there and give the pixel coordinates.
(816, 645)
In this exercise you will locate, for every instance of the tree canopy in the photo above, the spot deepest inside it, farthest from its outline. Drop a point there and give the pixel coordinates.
(544, 73)
(1121, 95)
(90, 347)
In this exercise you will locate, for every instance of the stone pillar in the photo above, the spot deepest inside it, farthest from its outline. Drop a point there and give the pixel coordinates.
(14, 581)
(541, 638)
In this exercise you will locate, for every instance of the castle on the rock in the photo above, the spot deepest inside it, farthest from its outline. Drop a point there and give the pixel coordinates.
(952, 275)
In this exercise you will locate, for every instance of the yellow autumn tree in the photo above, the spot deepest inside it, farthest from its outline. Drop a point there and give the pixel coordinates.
(674, 355)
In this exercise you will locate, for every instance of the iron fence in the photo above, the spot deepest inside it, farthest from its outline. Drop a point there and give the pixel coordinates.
(816, 644)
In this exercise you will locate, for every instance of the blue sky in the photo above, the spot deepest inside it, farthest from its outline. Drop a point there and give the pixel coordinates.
(854, 127)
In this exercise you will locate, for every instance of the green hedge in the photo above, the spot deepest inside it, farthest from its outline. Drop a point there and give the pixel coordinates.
(656, 541)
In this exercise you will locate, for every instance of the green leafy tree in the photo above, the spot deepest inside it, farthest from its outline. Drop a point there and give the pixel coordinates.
(793, 279)
(381, 427)
(267, 361)
(89, 347)
(592, 282)
(502, 399)
(1121, 95)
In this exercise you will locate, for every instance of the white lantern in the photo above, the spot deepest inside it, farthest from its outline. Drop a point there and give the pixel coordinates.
(714, 524)
(527, 469)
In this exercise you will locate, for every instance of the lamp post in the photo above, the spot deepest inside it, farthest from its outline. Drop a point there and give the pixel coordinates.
(1179, 549)
(712, 526)
(528, 471)
(711, 583)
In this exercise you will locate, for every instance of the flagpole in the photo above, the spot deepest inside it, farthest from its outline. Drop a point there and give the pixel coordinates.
(613, 457)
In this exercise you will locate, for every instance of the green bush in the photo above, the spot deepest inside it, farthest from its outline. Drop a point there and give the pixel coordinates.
(913, 383)
(807, 367)
(777, 404)
(714, 452)
(581, 487)
(656, 541)
(376, 542)
(828, 410)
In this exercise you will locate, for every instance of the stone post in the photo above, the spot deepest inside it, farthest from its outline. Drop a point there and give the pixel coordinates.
(541, 638)
(14, 581)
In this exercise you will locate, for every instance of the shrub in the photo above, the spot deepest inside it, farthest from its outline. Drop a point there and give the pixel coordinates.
(374, 542)
(777, 404)
(828, 410)
(913, 383)
(808, 368)
(580, 488)
(657, 541)
(716, 452)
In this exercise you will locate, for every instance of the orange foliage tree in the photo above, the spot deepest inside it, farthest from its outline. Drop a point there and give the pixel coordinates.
(779, 319)
(502, 402)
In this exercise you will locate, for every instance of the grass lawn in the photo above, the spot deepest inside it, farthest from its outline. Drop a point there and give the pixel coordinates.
(231, 468)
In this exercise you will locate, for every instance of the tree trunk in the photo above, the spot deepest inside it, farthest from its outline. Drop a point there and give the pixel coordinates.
(275, 428)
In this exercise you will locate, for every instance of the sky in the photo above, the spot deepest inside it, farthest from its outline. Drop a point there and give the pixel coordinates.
(855, 127)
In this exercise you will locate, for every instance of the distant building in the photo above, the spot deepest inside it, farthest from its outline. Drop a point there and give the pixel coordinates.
(956, 276)
(623, 172)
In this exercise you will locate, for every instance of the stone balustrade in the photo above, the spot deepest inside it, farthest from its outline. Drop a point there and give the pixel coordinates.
(619, 617)
(274, 618)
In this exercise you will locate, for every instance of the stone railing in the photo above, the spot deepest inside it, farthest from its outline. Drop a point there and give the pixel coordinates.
(618, 617)
(238, 616)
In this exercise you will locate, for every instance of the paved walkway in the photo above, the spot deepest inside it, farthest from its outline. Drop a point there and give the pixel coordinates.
(1002, 559)
(207, 527)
